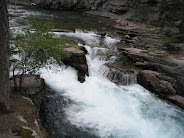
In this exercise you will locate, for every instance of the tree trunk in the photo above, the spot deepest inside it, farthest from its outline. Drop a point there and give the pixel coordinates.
(14, 81)
(4, 54)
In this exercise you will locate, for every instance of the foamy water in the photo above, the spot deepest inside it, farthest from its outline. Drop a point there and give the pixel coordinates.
(110, 110)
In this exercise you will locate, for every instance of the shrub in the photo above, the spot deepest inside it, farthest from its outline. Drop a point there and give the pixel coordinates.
(159, 23)
(168, 32)
(36, 49)
(170, 47)
(178, 38)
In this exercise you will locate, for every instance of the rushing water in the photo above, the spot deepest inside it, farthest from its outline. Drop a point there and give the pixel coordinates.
(103, 108)
(110, 110)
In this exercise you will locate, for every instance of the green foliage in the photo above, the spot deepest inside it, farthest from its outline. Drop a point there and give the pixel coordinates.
(36, 49)
(173, 37)
(159, 23)
(168, 32)
(173, 11)
(143, 12)
(178, 38)
(171, 48)
(170, 38)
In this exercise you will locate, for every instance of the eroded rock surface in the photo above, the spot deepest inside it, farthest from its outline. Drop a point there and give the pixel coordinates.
(33, 87)
(156, 82)
(162, 71)
(78, 61)
(22, 120)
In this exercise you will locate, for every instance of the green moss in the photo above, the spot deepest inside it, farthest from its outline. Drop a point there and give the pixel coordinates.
(106, 53)
(150, 37)
(42, 132)
(163, 55)
(34, 109)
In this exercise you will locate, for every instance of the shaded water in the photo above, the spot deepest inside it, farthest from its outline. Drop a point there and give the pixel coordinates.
(67, 20)
(98, 107)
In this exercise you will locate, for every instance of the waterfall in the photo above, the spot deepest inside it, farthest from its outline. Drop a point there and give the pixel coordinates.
(119, 76)
(107, 110)
(99, 106)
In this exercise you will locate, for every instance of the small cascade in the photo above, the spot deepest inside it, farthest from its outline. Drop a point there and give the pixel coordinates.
(98, 107)
(103, 56)
(120, 76)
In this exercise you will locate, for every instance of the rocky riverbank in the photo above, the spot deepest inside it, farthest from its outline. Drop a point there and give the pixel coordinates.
(162, 66)
(22, 120)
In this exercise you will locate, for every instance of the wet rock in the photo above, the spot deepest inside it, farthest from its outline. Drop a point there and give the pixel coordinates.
(127, 37)
(83, 49)
(177, 99)
(78, 61)
(156, 82)
(169, 66)
(121, 76)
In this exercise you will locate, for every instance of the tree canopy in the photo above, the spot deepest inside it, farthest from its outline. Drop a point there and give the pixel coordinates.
(36, 48)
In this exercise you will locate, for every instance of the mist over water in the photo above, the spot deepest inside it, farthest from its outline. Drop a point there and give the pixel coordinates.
(109, 110)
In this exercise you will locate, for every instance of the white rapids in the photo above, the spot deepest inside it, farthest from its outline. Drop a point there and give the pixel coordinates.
(112, 111)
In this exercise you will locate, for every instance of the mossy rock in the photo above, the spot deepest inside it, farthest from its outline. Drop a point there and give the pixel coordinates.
(120, 45)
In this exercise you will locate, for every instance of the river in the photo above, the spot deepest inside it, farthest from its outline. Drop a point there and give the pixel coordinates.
(97, 107)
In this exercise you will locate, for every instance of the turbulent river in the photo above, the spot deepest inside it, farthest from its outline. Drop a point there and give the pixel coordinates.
(99, 107)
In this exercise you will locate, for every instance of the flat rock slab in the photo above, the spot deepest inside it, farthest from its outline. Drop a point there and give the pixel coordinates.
(134, 50)
(177, 99)
(74, 51)
(7, 136)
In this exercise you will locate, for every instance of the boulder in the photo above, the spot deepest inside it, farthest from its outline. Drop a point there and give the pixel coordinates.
(156, 82)
(33, 86)
(78, 61)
